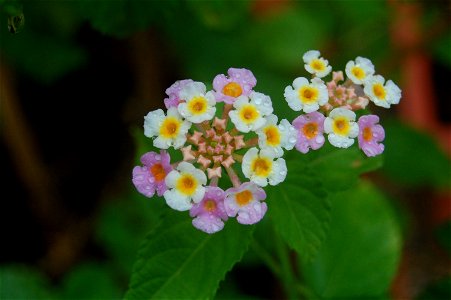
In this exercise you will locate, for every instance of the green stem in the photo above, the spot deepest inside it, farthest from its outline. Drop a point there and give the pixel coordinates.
(287, 276)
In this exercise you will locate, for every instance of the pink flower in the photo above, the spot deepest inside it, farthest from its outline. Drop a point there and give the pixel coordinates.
(246, 201)
(370, 134)
(210, 212)
(150, 177)
(239, 82)
(173, 93)
(310, 128)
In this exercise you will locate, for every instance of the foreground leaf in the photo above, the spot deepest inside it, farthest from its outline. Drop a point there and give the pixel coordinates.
(178, 261)
(300, 210)
(360, 256)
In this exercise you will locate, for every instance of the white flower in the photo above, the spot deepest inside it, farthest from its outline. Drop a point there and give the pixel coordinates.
(314, 64)
(306, 96)
(275, 137)
(249, 115)
(380, 94)
(184, 184)
(170, 130)
(198, 106)
(341, 127)
(261, 168)
(360, 70)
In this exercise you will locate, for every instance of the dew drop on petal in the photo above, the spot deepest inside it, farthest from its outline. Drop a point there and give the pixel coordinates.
(158, 157)
(293, 140)
(283, 173)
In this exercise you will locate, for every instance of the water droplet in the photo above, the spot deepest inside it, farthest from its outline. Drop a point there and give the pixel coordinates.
(258, 101)
(158, 157)
(292, 140)
(151, 180)
(283, 173)
(319, 139)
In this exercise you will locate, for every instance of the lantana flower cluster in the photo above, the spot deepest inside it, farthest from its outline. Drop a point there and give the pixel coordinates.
(231, 131)
(329, 107)
(224, 132)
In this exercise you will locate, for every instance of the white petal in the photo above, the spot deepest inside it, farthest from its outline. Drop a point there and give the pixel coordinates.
(173, 112)
(261, 181)
(310, 55)
(198, 194)
(171, 178)
(177, 201)
(328, 122)
(240, 101)
(300, 82)
(279, 172)
(162, 143)
(248, 157)
(340, 141)
(185, 167)
(152, 122)
(200, 176)
(354, 130)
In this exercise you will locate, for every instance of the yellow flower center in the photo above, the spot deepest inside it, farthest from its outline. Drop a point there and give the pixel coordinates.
(158, 172)
(249, 113)
(308, 95)
(261, 166)
(358, 72)
(341, 126)
(379, 91)
(310, 130)
(272, 135)
(243, 198)
(170, 127)
(367, 134)
(232, 89)
(210, 205)
(187, 184)
(317, 65)
(197, 105)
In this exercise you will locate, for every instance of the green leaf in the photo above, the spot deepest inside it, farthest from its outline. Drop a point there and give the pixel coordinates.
(20, 282)
(338, 169)
(300, 210)
(414, 158)
(179, 261)
(361, 254)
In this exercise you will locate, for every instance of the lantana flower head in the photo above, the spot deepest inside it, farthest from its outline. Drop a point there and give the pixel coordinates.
(150, 177)
(333, 111)
(370, 135)
(246, 201)
(315, 64)
(306, 96)
(214, 144)
(240, 82)
(382, 94)
(310, 131)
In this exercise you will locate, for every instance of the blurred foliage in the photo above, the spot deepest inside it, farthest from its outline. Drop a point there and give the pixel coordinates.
(413, 158)
(21, 282)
